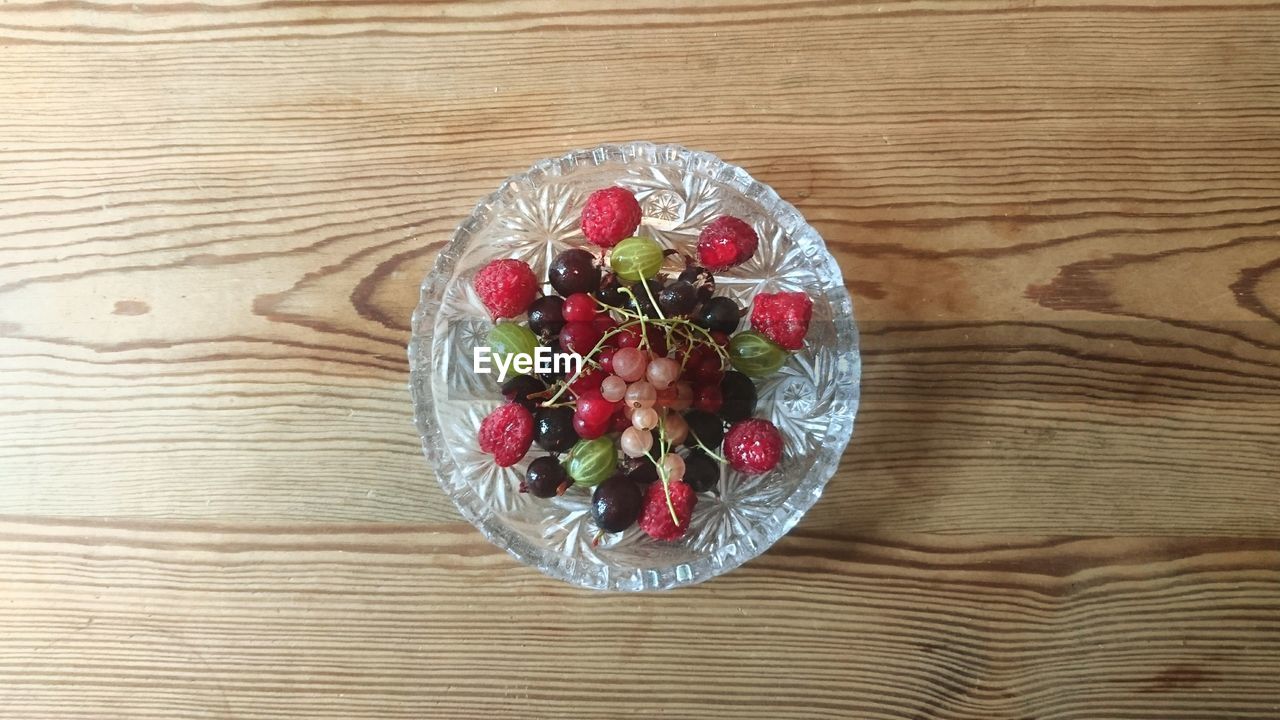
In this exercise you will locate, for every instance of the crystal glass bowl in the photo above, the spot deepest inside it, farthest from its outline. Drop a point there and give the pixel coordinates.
(812, 399)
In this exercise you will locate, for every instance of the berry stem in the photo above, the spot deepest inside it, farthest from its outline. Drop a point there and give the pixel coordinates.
(586, 359)
(717, 456)
(649, 291)
(663, 447)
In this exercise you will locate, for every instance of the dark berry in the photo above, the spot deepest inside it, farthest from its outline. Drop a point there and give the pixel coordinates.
(546, 477)
(655, 450)
(551, 377)
(643, 303)
(610, 291)
(604, 323)
(641, 470)
(657, 340)
(678, 298)
(518, 389)
(704, 429)
(546, 316)
(620, 421)
(616, 503)
(574, 271)
(702, 281)
(701, 471)
(739, 396)
(719, 313)
(553, 429)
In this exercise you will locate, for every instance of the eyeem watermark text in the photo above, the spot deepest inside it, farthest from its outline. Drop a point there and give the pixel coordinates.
(543, 361)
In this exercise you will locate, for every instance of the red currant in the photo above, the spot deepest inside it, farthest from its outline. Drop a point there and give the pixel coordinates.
(657, 338)
(594, 409)
(605, 358)
(708, 398)
(579, 307)
(627, 338)
(588, 381)
(604, 323)
(588, 431)
(580, 337)
(709, 370)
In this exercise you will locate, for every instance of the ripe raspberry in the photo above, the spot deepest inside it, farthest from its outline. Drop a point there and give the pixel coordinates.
(655, 516)
(506, 434)
(610, 216)
(782, 317)
(753, 446)
(506, 287)
(726, 242)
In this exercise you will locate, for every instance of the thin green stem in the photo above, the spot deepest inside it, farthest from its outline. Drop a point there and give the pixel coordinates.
(717, 456)
(576, 375)
(649, 291)
(663, 447)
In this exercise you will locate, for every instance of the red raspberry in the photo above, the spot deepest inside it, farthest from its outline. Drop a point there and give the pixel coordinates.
(753, 446)
(655, 516)
(725, 242)
(506, 434)
(783, 317)
(506, 287)
(610, 216)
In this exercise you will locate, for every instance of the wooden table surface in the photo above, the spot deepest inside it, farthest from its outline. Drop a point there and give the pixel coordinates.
(1060, 224)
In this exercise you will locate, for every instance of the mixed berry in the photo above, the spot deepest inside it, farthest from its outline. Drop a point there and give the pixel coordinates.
(664, 397)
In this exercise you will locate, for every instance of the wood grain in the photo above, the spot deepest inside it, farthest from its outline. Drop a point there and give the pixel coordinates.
(144, 620)
(1060, 223)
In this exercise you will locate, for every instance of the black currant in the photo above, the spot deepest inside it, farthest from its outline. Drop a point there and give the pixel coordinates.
(678, 298)
(739, 394)
(701, 471)
(615, 503)
(518, 388)
(546, 477)
(640, 470)
(704, 429)
(719, 313)
(574, 271)
(702, 281)
(553, 429)
(546, 316)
